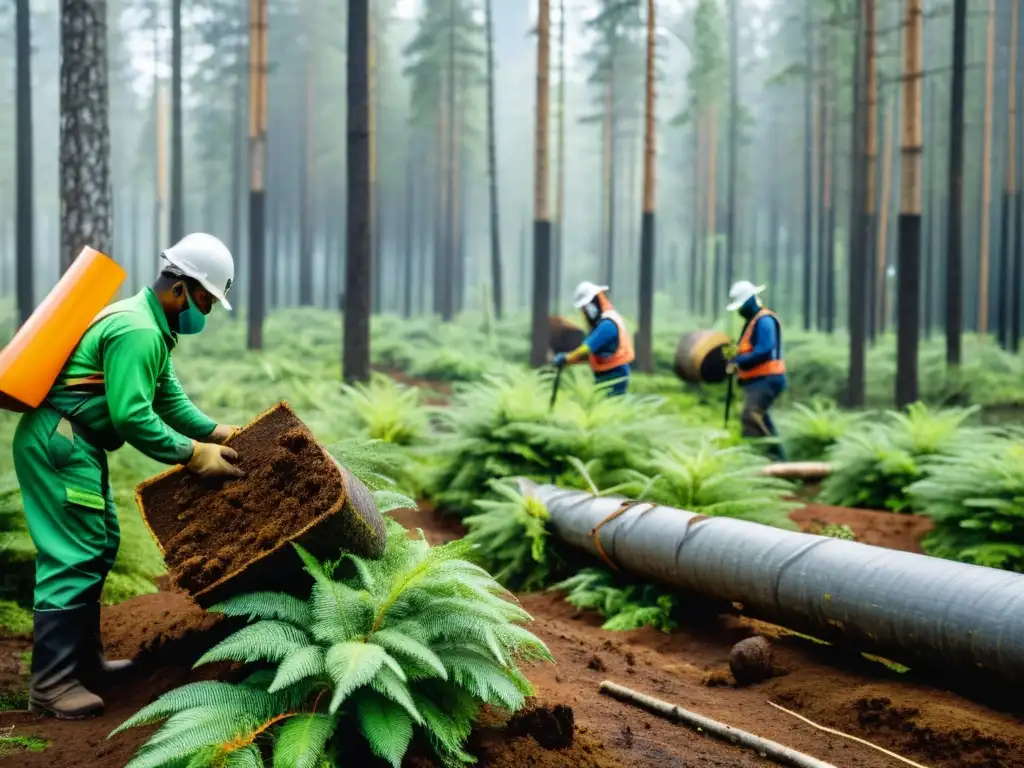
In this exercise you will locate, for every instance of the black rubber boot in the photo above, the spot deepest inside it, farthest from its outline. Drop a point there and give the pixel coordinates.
(56, 652)
(95, 669)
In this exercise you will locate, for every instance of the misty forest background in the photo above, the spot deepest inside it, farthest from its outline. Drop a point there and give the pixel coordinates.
(849, 153)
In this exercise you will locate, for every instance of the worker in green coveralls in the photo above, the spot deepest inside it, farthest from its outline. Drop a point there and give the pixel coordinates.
(117, 387)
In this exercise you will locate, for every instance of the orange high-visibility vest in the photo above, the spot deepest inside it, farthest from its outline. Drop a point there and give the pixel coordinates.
(621, 356)
(768, 367)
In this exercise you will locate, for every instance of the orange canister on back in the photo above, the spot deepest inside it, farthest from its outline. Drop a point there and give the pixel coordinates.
(36, 355)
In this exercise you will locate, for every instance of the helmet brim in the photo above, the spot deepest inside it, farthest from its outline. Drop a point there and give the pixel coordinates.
(590, 297)
(740, 302)
(212, 289)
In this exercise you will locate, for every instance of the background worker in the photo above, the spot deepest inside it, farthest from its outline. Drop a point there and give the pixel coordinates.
(608, 347)
(117, 387)
(758, 364)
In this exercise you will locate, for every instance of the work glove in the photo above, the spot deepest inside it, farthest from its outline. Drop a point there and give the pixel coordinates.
(560, 360)
(221, 433)
(209, 460)
(730, 368)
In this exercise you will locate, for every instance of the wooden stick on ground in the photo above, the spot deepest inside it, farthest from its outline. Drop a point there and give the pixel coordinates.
(769, 749)
(834, 732)
(798, 470)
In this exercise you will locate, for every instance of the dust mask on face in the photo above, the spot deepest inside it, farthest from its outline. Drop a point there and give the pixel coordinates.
(591, 311)
(191, 319)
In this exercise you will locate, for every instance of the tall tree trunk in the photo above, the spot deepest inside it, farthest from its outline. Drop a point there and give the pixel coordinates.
(695, 221)
(358, 268)
(449, 236)
(492, 166)
(376, 268)
(559, 218)
(986, 175)
(954, 237)
(177, 129)
(86, 215)
(928, 256)
(909, 272)
(734, 135)
(441, 199)
(458, 279)
(306, 193)
(258, 74)
(410, 223)
(541, 220)
(871, 118)
(858, 259)
(773, 202)
(712, 204)
(808, 165)
(237, 162)
(821, 151)
(609, 173)
(25, 251)
(645, 344)
(883, 221)
(1007, 274)
(832, 202)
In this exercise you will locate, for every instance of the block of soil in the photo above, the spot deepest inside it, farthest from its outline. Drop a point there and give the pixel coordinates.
(224, 537)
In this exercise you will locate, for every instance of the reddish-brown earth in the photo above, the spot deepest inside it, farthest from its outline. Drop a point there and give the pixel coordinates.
(882, 529)
(688, 667)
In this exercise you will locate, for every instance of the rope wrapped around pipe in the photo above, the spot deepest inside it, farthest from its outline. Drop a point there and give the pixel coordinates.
(912, 608)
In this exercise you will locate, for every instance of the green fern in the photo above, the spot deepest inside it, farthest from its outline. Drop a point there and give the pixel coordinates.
(874, 464)
(810, 430)
(624, 602)
(418, 640)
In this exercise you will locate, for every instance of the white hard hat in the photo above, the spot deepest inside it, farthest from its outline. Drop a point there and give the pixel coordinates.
(741, 292)
(585, 293)
(205, 259)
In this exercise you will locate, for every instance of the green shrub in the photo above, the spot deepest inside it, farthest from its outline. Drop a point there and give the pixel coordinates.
(809, 431)
(873, 465)
(976, 499)
(625, 602)
(416, 641)
(388, 411)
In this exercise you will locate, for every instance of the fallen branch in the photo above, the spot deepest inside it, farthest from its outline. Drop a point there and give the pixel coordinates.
(834, 732)
(798, 470)
(765, 747)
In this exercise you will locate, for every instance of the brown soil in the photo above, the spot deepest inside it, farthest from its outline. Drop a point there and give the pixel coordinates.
(212, 528)
(882, 529)
(688, 667)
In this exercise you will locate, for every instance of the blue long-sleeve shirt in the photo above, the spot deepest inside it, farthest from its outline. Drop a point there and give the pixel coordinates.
(766, 343)
(603, 341)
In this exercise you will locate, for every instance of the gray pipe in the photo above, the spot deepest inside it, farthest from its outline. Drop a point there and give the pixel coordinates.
(911, 608)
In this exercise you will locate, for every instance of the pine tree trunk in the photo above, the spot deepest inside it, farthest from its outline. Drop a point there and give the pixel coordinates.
(25, 250)
(954, 237)
(870, 241)
(928, 256)
(821, 133)
(710, 250)
(695, 239)
(986, 176)
(808, 166)
(492, 164)
(258, 73)
(410, 226)
(306, 193)
(237, 163)
(441, 200)
(645, 347)
(832, 189)
(359, 256)
(541, 220)
(773, 204)
(909, 271)
(559, 218)
(376, 271)
(882, 255)
(1014, 288)
(448, 305)
(177, 129)
(86, 216)
(734, 124)
(609, 174)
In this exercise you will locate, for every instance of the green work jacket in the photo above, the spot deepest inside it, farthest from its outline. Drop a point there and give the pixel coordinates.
(119, 385)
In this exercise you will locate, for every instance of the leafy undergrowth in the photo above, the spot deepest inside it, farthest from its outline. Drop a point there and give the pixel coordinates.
(976, 499)
(12, 744)
(413, 643)
(874, 464)
(809, 430)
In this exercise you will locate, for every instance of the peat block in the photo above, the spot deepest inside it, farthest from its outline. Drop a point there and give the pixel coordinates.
(563, 335)
(225, 537)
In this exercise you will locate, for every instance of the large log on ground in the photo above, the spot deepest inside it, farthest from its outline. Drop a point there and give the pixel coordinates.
(806, 471)
(221, 538)
(700, 357)
(919, 610)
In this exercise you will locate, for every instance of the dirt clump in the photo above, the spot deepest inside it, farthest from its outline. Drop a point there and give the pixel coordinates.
(596, 663)
(751, 660)
(213, 528)
(551, 727)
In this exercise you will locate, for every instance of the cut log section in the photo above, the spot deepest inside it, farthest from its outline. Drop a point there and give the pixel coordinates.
(700, 357)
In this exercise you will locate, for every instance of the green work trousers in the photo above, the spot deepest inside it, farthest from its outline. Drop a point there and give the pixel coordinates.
(65, 490)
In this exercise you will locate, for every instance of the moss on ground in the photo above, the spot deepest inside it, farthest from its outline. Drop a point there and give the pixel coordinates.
(12, 745)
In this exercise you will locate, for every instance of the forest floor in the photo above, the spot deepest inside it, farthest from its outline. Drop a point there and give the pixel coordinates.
(166, 632)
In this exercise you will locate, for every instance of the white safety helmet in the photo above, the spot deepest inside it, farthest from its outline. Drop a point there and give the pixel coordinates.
(741, 292)
(585, 293)
(206, 260)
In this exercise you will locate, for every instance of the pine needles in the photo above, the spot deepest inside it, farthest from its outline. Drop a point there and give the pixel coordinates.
(415, 642)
